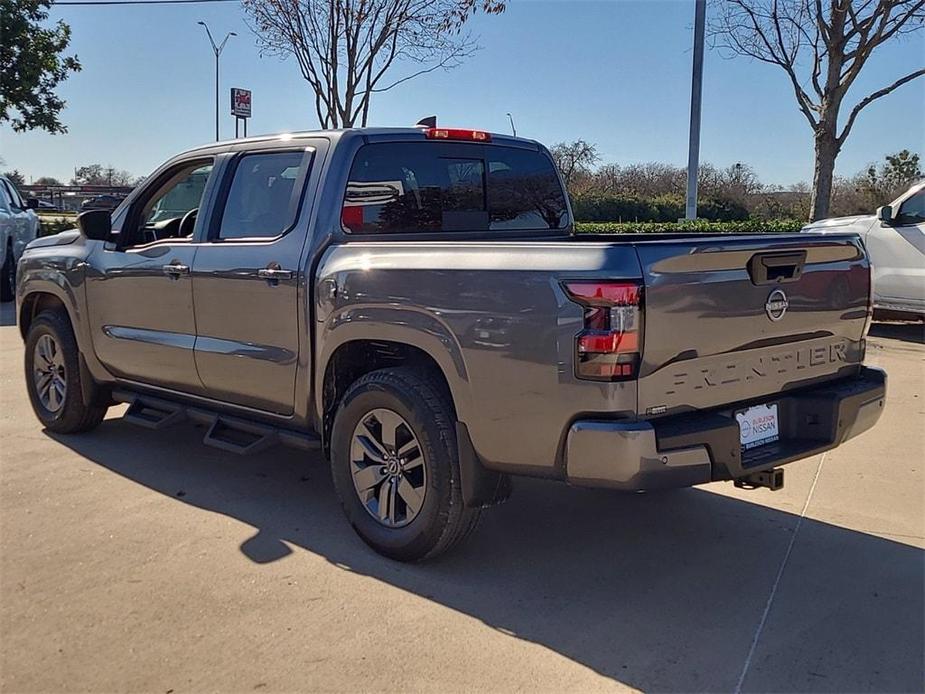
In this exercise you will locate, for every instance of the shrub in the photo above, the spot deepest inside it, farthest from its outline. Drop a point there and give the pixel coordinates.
(661, 208)
(55, 226)
(738, 227)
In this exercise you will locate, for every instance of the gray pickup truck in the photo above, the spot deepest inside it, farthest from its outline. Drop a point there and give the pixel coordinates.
(414, 303)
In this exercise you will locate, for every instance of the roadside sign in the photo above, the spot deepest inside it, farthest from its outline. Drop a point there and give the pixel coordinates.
(240, 102)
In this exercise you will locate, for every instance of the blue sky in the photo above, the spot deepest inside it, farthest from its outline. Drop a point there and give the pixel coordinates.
(614, 73)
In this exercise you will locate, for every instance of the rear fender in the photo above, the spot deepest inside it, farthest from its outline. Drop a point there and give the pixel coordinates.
(402, 325)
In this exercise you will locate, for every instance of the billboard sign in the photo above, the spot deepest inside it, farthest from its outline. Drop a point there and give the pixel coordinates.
(240, 102)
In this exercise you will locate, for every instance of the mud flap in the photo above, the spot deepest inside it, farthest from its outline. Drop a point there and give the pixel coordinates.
(480, 487)
(90, 391)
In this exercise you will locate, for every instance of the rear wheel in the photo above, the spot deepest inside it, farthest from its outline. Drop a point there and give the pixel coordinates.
(53, 377)
(8, 276)
(396, 467)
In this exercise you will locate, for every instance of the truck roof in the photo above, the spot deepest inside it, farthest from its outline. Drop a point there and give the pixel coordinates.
(336, 134)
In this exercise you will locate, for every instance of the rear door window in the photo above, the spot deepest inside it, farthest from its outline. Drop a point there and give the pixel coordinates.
(262, 200)
(439, 187)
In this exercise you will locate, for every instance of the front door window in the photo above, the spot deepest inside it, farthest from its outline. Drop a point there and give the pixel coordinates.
(170, 212)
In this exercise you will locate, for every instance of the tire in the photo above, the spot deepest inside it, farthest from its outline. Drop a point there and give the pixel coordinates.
(8, 276)
(426, 413)
(57, 352)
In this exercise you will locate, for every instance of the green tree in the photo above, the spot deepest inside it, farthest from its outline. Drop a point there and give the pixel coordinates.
(895, 175)
(99, 175)
(32, 66)
(16, 177)
(902, 169)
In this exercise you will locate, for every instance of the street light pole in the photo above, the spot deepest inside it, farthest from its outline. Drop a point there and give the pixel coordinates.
(513, 129)
(218, 52)
(693, 152)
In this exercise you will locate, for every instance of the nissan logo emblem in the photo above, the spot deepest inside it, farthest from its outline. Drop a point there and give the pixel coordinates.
(776, 305)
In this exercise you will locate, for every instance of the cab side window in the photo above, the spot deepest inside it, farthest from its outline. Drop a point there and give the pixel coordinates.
(913, 210)
(12, 195)
(5, 202)
(262, 200)
(169, 211)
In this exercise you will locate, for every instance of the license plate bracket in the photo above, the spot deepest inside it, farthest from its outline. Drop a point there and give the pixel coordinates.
(758, 425)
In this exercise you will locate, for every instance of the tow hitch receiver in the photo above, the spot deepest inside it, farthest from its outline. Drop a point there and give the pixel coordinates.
(771, 479)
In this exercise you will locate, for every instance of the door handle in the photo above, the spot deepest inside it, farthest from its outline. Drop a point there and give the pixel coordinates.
(274, 272)
(174, 270)
(776, 268)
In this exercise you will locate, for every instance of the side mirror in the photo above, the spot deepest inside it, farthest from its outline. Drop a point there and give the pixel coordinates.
(885, 214)
(32, 203)
(95, 224)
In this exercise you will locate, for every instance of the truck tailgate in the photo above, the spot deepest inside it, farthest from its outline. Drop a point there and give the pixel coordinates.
(736, 319)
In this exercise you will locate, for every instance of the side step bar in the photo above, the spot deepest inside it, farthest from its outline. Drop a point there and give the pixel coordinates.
(151, 415)
(229, 433)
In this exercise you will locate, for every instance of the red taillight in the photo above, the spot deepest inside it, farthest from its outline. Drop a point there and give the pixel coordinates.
(457, 134)
(352, 217)
(609, 347)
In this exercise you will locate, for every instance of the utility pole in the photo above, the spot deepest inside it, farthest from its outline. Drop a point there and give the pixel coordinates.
(218, 52)
(693, 152)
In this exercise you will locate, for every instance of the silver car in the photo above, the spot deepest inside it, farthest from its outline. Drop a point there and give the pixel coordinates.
(895, 240)
(19, 224)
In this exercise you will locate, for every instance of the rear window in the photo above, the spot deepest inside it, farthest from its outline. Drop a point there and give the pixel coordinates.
(443, 187)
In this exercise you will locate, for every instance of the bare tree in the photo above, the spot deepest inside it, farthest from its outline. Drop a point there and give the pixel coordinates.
(822, 45)
(574, 159)
(348, 50)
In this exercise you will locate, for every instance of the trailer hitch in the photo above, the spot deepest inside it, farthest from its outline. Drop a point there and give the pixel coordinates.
(770, 479)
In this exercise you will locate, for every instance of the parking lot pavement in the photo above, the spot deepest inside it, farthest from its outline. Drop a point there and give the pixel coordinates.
(134, 561)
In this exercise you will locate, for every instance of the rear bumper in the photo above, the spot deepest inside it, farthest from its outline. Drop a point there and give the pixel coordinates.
(684, 450)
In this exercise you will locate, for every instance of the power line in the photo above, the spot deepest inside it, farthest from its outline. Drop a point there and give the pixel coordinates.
(135, 2)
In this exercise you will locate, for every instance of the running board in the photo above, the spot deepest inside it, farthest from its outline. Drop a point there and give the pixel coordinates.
(238, 436)
(226, 432)
(152, 415)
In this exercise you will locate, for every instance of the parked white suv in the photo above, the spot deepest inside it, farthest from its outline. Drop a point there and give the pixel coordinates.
(19, 224)
(895, 240)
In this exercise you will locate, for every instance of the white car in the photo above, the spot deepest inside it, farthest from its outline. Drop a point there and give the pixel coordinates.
(895, 240)
(19, 224)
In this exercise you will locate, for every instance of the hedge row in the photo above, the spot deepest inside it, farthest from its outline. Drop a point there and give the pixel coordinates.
(662, 208)
(748, 226)
(743, 227)
(48, 227)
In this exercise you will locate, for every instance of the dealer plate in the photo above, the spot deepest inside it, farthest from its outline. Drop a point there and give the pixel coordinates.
(758, 426)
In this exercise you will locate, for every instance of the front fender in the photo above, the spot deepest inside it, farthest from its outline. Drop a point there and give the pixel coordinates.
(58, 269)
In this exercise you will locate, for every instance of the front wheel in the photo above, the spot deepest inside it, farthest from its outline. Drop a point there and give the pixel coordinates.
(53, 377)
(396, 468)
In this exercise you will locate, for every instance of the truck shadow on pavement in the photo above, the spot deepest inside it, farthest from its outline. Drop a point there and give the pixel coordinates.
(659, 592)
(907, 332)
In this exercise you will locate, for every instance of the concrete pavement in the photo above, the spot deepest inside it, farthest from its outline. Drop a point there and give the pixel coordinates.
(135, 561)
